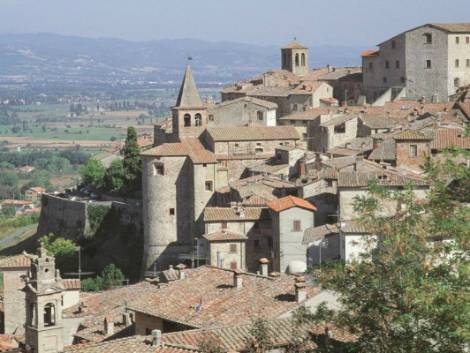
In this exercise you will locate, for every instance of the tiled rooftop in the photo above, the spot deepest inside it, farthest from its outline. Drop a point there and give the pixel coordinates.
(206, 297)
(224, 235)
(16, 261)
(287, 202)
(188, 146)
(214, 214)
(253, 133)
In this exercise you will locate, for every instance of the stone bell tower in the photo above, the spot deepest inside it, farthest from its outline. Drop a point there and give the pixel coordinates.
(44, 291)
(294, 58)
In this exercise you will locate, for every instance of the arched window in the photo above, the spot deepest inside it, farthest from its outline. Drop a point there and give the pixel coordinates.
(259, 115)
(187, 120)
(303, 59)
(198, 119)
(296, 59)
(49, 315)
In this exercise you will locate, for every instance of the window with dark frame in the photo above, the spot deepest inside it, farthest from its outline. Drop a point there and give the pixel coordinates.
(340, 129)
(428, 64)
(297, 225)
(159, 169)
(457, 40)
(468, 62)
(209, 185)
(427, 38)
(233, 248)
(394, 44)
(387, 64)
(172, 211)
(457, 63)
(413, 151)
(397, 64)
(224, 224)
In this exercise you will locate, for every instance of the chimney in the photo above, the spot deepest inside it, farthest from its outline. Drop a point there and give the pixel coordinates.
(156, 338)
(108, 326)
(302, 167)
(237, 279)
(182, 273)
(300, 291)
(264, 264)
(126, 319)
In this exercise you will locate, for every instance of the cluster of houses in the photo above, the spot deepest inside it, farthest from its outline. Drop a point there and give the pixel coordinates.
(241, 197)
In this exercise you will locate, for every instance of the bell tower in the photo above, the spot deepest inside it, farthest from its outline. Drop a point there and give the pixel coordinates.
(295, 58)
(44, 291)
(189, 113)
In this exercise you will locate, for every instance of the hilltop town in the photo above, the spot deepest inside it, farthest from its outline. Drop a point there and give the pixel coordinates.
(244, 200)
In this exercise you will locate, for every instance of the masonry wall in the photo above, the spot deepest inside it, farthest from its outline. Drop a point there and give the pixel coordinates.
(458, 76)
(228, 258)
(241, 113)
(405, 159)
(14, 302)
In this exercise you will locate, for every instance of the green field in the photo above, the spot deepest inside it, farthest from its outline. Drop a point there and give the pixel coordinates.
(73, 133)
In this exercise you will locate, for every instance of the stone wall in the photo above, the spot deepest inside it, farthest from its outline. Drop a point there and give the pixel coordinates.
(14, 302)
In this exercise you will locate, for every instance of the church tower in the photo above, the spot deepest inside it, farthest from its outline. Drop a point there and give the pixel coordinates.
(295, 58)
(44, 291)
(189, 113)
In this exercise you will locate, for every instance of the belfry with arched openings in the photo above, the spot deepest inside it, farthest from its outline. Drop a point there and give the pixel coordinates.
(295, 58)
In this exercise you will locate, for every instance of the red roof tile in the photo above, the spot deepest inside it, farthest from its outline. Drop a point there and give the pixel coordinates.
(17, 261)
(287, 202)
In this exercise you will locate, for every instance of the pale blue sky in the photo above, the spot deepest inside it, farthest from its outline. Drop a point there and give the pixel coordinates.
(336, 22)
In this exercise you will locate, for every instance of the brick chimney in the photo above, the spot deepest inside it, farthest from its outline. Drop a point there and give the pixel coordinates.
(237, 279)
(264, 266)
(300, 290)
(108, 326)
(181, 269)
(156, 338)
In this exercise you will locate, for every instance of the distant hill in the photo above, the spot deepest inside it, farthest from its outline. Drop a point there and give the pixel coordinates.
(52, 57)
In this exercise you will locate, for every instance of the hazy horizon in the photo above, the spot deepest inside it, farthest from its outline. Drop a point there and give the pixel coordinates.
(337, 22)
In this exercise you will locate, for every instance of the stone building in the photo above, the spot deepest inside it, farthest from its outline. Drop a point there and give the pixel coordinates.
(294, 58)
(431, 61)
(411, 149)
(244, 111)
(44, 294)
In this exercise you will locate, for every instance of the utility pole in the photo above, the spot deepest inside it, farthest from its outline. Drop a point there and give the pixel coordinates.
(79, 249)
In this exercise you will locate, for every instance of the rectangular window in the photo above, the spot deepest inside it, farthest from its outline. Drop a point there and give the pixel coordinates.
(384, 80)
(397, 64)
(172, 211)
(209, 185)
(224, 224)
(402, 79)
(468, 62)
(413, 151)
(467, 40)
(259, 150)
(387, 64)
(427, 38)
(428, 64)
(158, 169)
(256, 243)
(457, 62)
(233, 248)
(371, 66)
(457, 40)
(340, 129)
(394, 44)
(296, 225)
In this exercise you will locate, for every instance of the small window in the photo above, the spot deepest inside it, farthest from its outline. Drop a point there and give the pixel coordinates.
(468, 62)
(233, 248)
(297, 225)
(384, 80)
(204, 165)
(394, 44)
(413, 151)
(402, 79)
(397, 64)
(428, 64)
(49, 315)
(457, 62)
(198, 119)
(159, 169)
(258, 143)
(427, 38)
(224, 224)
(187, 120)
(457, 40)
(259, 115)
(371, 66)
(329, 183)
(467, 40)
(172, 211)
(209, 185)
(256, 243)
(211, 117)
(259, 150)
(387, 64)
(340, 129)
(237, 145)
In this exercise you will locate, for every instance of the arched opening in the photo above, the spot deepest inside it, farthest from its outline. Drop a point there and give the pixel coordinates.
(187, 120)
(259, 115)
(198, 119)
(296, 59)
(49, 315)
(302, 59)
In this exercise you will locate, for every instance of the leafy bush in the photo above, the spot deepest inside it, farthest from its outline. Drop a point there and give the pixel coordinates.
(110, 277)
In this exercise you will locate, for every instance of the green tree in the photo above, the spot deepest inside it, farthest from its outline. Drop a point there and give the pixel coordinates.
(132, 162)
(411, 293)
(8, 211)
(114, 178)
(110, 277)
(64, 251)
(92, 173)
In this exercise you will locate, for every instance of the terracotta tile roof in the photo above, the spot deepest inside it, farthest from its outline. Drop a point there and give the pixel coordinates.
(385, 151)
(214, 214)
(16, 261)
(71, 283)
(38, 189)
(133, 344)
(9, 202)
(386, 178)
(453, 27)
(448, 138)
(411, 135)
(188, 146)
(287, 202)
(206, 298)
(294, 45)
(224, 235)
(369, 53)
(253, 133)
(261, 102)
(310, 114)
(338, 119)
